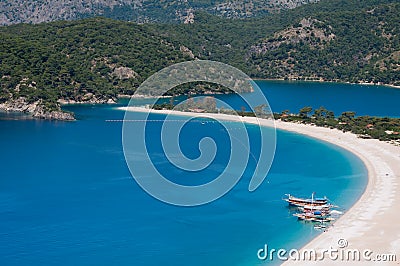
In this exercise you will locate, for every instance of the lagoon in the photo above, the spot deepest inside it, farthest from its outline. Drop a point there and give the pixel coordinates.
(338, 97)
(67, 197)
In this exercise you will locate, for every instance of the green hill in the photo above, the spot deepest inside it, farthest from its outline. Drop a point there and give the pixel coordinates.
(96, 59)
(353, 41)
(77, 60)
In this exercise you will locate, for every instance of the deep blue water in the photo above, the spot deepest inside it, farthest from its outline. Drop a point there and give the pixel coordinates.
(67, 196)
(337, 97)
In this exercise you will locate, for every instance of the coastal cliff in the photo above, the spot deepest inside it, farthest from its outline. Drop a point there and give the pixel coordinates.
(36, 109)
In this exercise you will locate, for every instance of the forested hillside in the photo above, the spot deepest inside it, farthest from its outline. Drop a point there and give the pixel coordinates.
(353, 41)
(362, 45)
(80, 60)
(96, 59)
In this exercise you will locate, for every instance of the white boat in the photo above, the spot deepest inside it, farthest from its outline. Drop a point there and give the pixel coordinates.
(301, 202)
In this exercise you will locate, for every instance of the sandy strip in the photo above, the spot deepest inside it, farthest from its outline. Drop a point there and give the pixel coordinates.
(372, 223)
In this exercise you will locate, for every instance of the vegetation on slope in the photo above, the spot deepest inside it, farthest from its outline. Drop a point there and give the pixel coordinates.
(332, 40)
(96, 59)
(79, 60)
(362, 45)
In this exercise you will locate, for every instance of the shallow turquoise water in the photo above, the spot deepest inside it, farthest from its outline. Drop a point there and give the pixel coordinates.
(67, 197)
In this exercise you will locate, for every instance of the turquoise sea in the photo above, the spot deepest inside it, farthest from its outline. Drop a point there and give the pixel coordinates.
(67, 196)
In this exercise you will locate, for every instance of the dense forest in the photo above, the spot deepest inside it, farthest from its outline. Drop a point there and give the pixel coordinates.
(96, 59)
(351, 41)
(73, 60)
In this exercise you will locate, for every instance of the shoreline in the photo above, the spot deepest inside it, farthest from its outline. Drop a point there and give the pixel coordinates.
(65, 116)
(371, 222)
(330, 81)
(368, 223)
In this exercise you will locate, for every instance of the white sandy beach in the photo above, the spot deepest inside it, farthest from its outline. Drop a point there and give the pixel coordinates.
(372, 223)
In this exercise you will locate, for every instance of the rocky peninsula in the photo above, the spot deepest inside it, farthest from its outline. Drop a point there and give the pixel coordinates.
(36, 109)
